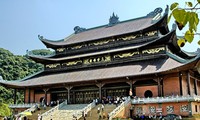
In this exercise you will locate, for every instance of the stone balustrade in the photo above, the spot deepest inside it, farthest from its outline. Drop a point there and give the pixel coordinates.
(47, 115)
(26, 105)
(86, 109)
(119, 108)
(165, 99)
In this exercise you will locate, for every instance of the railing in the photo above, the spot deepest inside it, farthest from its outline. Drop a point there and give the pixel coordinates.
(30, 53)
(165, 99)
(56, 108)
(119, 108)
(26, 105)
(86, 109)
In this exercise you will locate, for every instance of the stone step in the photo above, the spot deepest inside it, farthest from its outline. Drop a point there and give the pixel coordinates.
(93, 115)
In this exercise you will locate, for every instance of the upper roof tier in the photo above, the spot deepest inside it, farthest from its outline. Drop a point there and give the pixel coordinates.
(114, 28)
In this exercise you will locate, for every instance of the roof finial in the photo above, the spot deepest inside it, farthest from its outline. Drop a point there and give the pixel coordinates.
(155, 12)
(78, 29)
(114, 19)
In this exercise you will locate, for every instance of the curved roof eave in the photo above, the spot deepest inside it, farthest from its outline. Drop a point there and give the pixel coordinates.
(56, 44)
(168, 66)
(164, 38)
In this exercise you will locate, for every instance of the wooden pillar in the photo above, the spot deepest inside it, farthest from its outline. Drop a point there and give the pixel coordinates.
(68, 93)
(159, 87)
(24, 95)
(130, 82)
(15, 96)
(100, 85)
(29, 95)
(195, 87)
(45, 94)
(180, 83)
(188, 82)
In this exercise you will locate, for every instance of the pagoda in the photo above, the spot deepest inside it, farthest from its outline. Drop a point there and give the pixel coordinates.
(137, 57)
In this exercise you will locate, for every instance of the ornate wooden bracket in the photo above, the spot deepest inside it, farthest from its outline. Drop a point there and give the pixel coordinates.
(45, 89)
(100, 85)
(68, 87)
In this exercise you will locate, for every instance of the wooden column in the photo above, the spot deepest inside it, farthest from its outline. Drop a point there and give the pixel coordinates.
(29, 95)
(130, 82)
(15, 92)
(180, 83)
(45, 93)
(188, 82)
(159, 87)
(68, 93)
(195, 87)
(100, 85)
(24, 95)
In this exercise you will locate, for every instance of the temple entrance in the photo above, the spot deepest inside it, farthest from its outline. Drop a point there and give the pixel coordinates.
(117, 92)
(111, 92)
(84, 94)
(86, 97)
(58, 96)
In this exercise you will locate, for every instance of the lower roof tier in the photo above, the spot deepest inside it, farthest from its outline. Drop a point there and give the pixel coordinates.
(157, 66)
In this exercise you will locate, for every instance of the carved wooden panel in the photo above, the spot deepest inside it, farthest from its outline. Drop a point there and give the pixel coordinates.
(71, 63)
(125, 55)
(51, 66)
(97, 59)
(153, 50)
(107, 41)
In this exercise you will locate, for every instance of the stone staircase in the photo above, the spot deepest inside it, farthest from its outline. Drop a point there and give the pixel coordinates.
(34, 116)
(93, 115)
(64, 111)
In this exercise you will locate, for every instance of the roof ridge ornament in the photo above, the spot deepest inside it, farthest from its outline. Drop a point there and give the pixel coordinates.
(78, 29)
(155, 12)
(41, 37)
(114, 19)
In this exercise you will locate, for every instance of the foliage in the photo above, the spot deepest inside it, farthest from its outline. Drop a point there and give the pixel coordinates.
(42, 52)
(186, 16)
(4, 110)
(6, 95)
(15, 67)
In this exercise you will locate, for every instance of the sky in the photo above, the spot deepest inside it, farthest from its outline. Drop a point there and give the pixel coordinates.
(22, 21)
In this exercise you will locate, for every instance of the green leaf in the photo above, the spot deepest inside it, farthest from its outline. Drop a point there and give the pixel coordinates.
(186, 18)
(181, 42)
(173, 6)
(179, 15)
(189, 36)
(189, 4)
(198, 1)
(193, 21)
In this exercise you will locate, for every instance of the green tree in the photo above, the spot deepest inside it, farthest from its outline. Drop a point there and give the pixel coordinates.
(15, 67)
(42, 52)
(187, 16)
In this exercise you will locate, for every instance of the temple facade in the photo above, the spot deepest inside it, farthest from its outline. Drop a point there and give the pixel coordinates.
(137, 57)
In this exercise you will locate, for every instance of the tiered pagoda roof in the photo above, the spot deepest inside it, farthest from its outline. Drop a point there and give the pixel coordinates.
(138, 47)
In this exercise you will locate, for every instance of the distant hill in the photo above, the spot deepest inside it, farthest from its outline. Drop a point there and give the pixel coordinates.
(16, 67)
